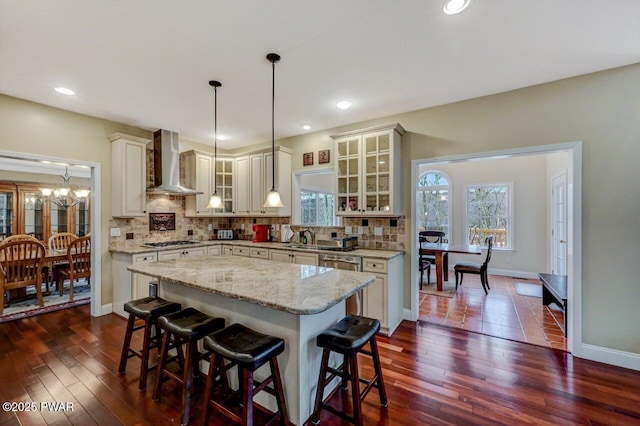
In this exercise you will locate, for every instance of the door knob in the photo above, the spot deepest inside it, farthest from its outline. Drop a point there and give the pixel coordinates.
(563, 241)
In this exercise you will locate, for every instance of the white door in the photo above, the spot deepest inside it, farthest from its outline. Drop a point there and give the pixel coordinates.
(559, 224)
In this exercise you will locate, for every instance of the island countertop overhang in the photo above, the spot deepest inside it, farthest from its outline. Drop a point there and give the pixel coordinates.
(297, 289)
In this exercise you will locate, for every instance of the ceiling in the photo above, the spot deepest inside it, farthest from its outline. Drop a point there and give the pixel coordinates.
(147, 63)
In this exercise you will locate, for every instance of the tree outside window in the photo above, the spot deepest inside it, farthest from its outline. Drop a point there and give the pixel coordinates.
(318, 208)
(432, 203)
(489, 214)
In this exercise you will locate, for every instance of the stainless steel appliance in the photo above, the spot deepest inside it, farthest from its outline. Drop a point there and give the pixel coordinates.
(339, 244)
(166, 165)
(346, 263)
(225, 234)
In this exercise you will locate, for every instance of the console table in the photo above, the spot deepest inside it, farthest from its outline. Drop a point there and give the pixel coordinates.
(554, 289)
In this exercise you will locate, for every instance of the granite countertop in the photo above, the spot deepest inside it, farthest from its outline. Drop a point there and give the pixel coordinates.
(297, 289)
(363, 252)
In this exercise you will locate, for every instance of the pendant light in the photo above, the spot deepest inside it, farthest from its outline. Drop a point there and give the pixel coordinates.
(273, 197)
(215, 202)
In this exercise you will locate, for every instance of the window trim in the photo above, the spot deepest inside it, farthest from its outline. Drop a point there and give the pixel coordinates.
(449, 189)
(510, 226)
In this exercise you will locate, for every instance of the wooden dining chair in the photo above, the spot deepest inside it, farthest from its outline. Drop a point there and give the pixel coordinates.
(425, 261)
(59, 242)
(21, 261)
(19, 237)
(476, 268)
(79, 259)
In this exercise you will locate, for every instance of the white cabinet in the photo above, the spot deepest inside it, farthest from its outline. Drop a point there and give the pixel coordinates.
(368, 171)
(139, 282)
(128, 175)
(260, 253)
(182, 253)
(127, 285)
(383, 299)
(254, 178)
(214, 250)
(289, 256)
(241, 251)
(199, 175)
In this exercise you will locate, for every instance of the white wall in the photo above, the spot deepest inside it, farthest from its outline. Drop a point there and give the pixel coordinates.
(529, 178)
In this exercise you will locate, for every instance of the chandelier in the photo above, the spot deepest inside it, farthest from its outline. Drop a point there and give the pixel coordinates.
(65, 196)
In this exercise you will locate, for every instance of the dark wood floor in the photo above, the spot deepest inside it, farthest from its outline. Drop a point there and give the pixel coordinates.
(434, 375)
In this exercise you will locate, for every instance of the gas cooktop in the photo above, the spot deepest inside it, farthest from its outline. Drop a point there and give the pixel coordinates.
(170, 243)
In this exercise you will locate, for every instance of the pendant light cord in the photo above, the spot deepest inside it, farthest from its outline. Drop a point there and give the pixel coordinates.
(273, 138)
(215, 137)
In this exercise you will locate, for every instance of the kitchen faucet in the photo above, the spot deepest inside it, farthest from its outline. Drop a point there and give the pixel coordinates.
(312, 233)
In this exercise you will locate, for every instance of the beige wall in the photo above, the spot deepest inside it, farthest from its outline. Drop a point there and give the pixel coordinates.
(37, 129)
(600, 109)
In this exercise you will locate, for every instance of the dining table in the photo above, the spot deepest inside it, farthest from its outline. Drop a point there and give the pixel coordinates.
(441, 253)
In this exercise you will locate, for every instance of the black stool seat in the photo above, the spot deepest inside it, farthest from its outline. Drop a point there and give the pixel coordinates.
(248, 350)
(190, 324)
(151, 307)
(348, 337)
(147, 309)
(185, 327)
(350, 334)
(244, 346)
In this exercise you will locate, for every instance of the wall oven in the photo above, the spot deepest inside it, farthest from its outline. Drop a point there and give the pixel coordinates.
(346, 263)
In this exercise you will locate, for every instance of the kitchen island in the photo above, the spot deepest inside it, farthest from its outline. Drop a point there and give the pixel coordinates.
(294, 302)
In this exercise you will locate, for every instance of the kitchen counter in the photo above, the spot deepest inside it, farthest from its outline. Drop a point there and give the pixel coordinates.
(293, 302)
(297, 289)
(363, 252)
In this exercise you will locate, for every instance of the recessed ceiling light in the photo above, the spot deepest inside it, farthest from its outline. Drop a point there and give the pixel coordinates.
(451, 7)
(306, 126)
(344, 104)
(65, 91)
(222, 137)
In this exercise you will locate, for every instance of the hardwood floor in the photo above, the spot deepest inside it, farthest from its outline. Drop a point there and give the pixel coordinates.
(501, 313)
(434, 375)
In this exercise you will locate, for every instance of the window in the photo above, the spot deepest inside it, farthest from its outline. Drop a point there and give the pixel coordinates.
(432, 203)
(489, 213)
(318, 208)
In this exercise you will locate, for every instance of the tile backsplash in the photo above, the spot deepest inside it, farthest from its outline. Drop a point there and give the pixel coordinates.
(391, 231)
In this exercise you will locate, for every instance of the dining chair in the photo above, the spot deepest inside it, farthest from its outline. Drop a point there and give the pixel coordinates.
(26, 237)
(79, 259)
(59, 242)
(425, 237)
(476, 268)
(21, 263)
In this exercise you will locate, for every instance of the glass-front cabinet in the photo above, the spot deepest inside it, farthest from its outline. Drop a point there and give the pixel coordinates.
(368, 171)
(24, 210)
(224, 184)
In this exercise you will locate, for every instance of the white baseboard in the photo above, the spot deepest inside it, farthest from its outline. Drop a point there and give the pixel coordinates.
(515, 274)
(609, 356)
(407, 315)
(106, 309)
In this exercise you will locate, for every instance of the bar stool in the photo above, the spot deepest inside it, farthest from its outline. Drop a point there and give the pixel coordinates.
(187, 327)
(148, 309)
(249, 350)
(348, 337)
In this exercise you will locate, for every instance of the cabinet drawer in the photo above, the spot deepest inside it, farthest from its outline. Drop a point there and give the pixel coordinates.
(374, 265)
(241, 251)
(146, 257)
(259, 253)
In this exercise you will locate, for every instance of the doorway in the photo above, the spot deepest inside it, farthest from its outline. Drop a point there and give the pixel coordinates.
(12, 162)
(572, 243)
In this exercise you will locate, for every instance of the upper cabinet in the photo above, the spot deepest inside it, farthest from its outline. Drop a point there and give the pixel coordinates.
(128, 175)
(242, 181)
(254, 173)
(199, 174)
(368, 171)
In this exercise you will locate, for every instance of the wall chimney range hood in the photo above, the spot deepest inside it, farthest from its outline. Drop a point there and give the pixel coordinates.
(166, 165)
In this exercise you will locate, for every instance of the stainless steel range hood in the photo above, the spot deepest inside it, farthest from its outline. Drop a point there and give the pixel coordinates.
(166, 165)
